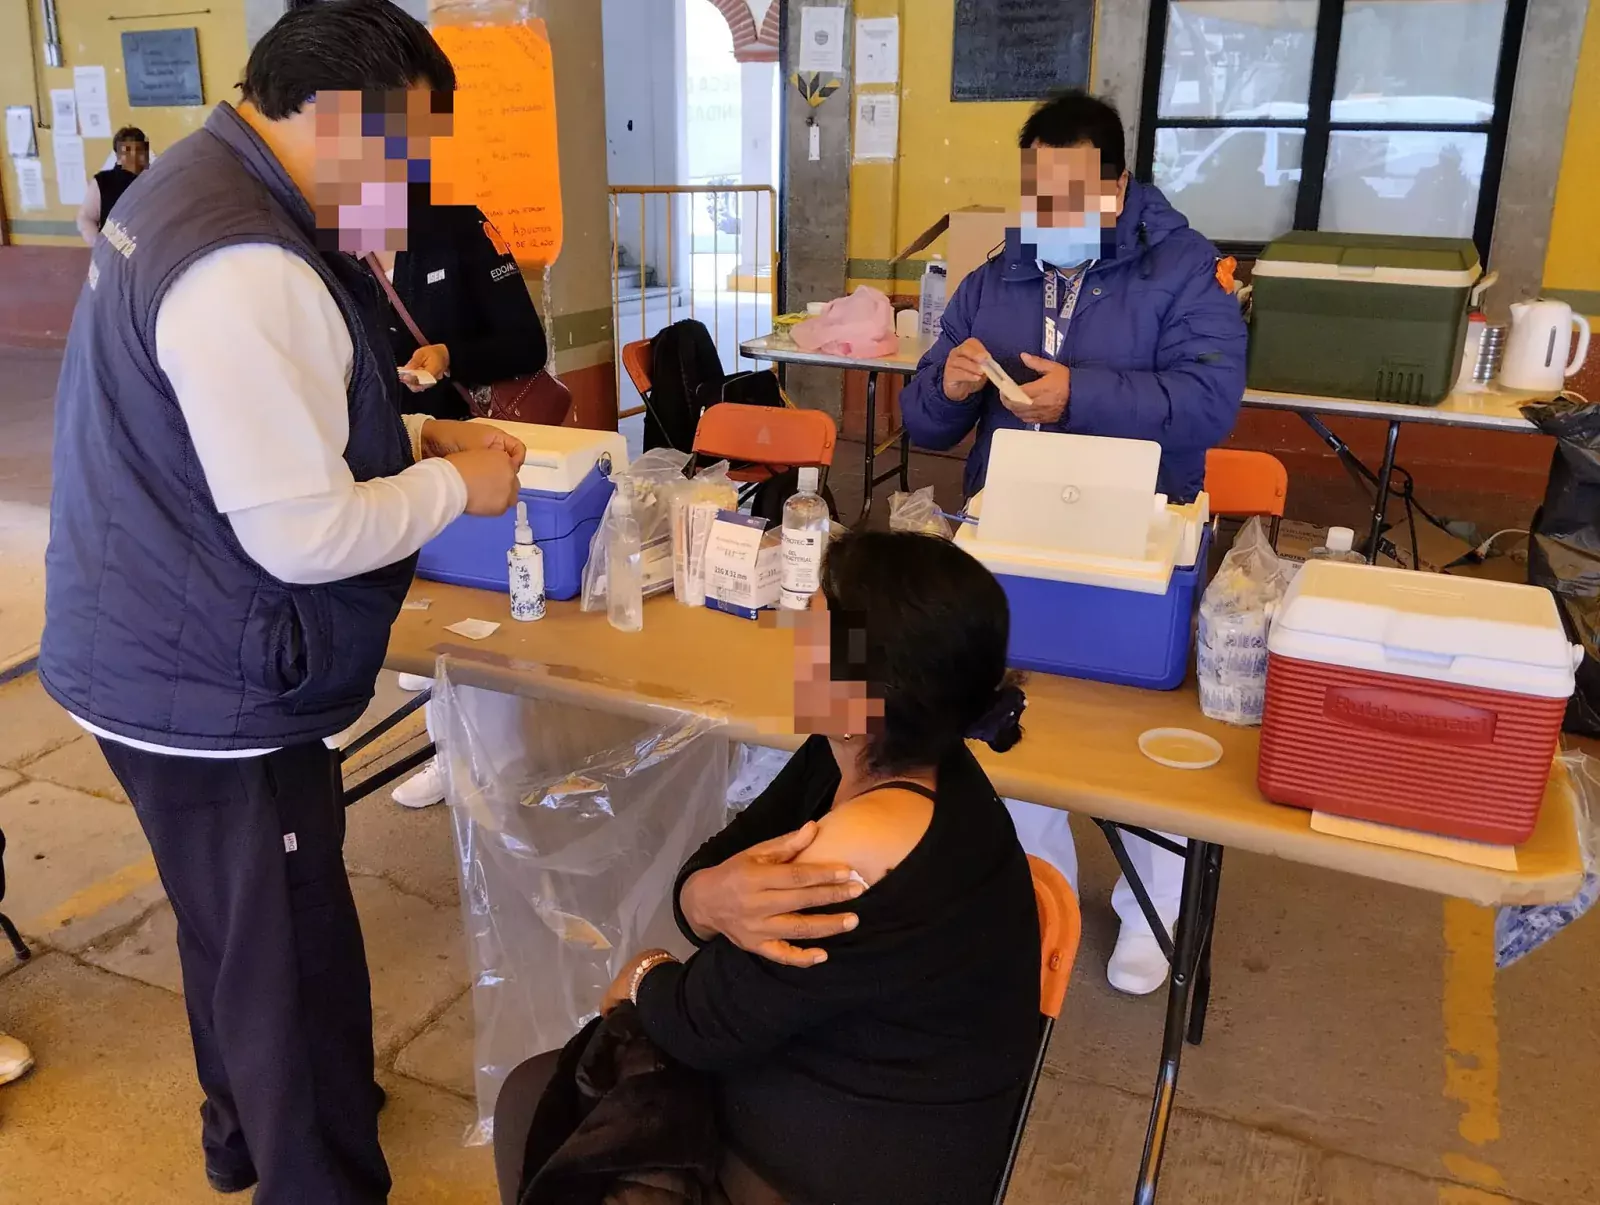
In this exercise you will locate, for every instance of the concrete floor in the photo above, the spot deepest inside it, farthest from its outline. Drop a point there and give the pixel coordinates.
(1361, 1047)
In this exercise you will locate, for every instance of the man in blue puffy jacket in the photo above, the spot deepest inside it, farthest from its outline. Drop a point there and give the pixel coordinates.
(1105, 307)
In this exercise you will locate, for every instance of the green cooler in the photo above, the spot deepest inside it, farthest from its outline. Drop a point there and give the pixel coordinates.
(1375, 316)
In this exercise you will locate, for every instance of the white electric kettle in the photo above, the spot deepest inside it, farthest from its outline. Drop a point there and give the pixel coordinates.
(1536, 348)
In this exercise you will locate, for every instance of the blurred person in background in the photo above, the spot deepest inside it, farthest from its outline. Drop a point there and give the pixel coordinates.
(132, 150)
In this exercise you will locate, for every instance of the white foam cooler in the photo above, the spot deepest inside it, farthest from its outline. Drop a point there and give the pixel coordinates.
(566, 481)
(1413, 699)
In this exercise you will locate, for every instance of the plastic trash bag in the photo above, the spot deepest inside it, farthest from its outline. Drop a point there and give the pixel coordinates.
(1520, 930)
(753, 769)
(571, 824)
(649, 483)
(1235, 612)
(860, 325)
(1564, 548)
(917, 511)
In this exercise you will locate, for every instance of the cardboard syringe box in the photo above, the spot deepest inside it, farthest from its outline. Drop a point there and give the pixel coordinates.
(975, 233)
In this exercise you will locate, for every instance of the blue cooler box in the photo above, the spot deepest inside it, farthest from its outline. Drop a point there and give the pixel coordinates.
(1102, 633)
(566, 483)
(1134, 635)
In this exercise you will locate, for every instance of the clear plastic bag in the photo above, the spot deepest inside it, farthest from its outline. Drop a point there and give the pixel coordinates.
(694, 508)
(917, 511)
(1231, 651)
(649, 483)
(571, 824)
(1522, 929)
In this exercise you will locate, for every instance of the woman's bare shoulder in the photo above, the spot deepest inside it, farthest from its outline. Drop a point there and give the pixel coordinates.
(872, 833)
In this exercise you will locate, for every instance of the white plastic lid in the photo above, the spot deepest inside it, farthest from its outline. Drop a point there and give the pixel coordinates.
(1341, 539)
(808, 479)
(1460, 630)
(524, 533)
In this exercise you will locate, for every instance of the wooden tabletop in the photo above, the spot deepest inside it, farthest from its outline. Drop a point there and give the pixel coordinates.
(1079, 750)
(1494, 408)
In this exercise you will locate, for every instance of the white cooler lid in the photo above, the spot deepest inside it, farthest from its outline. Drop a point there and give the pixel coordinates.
(559, 458)
(1149, 575)
(1460, 630)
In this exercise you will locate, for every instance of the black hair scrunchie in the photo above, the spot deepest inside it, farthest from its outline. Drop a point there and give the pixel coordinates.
(1001, 726)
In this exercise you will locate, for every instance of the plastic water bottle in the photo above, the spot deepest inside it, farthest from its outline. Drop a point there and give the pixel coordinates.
(805, 535)
(931, 304)
(525, 562)
(624, 568)
(1340, 547)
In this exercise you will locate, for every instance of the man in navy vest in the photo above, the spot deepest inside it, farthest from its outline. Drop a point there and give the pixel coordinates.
(237, 508)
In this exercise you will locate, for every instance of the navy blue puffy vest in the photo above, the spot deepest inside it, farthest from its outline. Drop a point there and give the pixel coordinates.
(157, 625)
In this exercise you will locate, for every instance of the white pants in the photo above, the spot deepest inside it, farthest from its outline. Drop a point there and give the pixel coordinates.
(1046, 833)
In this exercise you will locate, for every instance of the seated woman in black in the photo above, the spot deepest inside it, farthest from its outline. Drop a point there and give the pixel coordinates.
(889, 1066)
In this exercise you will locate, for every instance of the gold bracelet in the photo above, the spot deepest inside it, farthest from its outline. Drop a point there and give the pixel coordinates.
(643, 969)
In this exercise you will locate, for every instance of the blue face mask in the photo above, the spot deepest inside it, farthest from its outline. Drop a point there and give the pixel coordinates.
(1060, 246)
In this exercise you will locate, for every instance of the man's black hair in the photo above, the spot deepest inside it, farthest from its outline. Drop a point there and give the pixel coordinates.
(341, 46)
(1074, 118)
(129, 134)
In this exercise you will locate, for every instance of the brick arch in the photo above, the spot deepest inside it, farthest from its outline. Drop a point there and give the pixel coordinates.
(751, 45)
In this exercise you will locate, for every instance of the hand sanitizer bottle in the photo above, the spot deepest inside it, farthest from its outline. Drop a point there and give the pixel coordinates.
(624, 568)
(526, 563)
(805, 536)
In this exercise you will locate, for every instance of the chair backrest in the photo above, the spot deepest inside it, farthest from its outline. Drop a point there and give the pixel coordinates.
(766, 435)
(1242, 484)
(636, 362)
(1060, 926)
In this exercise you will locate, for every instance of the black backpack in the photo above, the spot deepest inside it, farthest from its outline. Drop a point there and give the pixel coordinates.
(686, 377)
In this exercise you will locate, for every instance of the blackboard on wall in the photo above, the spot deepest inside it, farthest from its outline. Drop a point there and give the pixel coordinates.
(1020, 49)
(162, 67)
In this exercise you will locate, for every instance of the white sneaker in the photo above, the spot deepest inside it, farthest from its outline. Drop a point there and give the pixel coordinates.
(15, 1060)
(1137, 966)
(423, 789)
(413, 682)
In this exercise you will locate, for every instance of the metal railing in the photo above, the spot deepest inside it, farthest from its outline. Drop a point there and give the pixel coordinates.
(672, 275)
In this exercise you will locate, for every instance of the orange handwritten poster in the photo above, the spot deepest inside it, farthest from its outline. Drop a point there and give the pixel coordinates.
(502, 156)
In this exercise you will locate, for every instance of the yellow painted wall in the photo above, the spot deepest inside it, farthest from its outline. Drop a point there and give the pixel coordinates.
(90, 38)
(1572, 263)
(951, 154)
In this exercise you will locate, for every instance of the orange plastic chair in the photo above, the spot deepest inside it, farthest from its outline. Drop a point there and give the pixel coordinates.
(763, 441)
(1244, 485)
(1060, 927)
(636, 362)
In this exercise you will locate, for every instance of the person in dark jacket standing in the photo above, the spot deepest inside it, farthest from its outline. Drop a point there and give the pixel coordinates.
(462, 287)
(1105, 307)
(132, 150)
(237, 507)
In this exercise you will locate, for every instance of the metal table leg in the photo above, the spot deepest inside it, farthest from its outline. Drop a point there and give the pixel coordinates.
(1202, 867)
(869, 461)
(1381, 507)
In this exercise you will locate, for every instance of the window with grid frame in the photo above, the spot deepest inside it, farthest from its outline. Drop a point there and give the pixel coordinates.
(1364, 116)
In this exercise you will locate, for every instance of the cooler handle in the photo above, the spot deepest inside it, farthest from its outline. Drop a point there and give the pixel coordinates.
(1418, 657)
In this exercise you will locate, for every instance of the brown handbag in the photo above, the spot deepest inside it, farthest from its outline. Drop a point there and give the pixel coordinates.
(539, 398)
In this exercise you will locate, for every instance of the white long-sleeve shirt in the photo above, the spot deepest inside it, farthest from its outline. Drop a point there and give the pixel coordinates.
(259, 358)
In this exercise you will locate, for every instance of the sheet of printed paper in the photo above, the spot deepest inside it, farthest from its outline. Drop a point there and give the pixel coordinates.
(64, 110)
(94, 103)
(821, 40)
(877, 126)
(503, 154)
(30, 183)
(878, 50)
(71, 177)
(19, 131)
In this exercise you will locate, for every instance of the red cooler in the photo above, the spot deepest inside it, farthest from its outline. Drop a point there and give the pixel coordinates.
(1415, 699)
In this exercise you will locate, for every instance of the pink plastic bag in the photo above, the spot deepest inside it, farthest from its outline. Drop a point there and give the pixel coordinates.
(860, 325)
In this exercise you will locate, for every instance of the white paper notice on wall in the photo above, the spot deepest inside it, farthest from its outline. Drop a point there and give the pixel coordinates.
(94, 103)
(877, 126)
(30, 183)
(821, 39)
(71, 177)
(64, 110)
(878, 50)
(19, 131)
